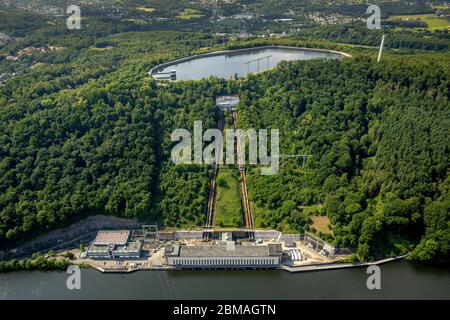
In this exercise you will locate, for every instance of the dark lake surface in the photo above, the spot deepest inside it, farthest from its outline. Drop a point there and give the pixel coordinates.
(228, 64)
(399, 280)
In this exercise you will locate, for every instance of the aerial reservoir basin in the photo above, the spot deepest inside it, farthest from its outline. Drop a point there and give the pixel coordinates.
(226, 64)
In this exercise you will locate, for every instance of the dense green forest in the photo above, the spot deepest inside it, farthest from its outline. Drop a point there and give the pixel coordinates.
(228, 210)
(378, 136)
(357, 33)
(80, 140)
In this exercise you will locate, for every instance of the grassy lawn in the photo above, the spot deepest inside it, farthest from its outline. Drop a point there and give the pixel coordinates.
(433, 22)
(188, 14)
(228, 211)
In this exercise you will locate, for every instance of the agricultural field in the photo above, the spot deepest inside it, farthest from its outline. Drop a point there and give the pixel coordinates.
(433, 22)
(145, 9)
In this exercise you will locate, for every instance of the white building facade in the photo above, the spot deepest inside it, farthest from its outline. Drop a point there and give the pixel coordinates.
(224, 256)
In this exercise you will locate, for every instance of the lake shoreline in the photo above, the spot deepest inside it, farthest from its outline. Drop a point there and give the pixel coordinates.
(163, 65)
(291, 269)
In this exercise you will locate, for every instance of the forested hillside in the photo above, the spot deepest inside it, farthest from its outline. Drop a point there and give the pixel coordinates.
(378, 136)
(91, 135)
(84, 130)
(357, 33)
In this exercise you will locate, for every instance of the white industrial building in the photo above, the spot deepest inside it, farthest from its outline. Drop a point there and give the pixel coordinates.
(227, 102)
(114, 245)
(225, 255)
(170, 75)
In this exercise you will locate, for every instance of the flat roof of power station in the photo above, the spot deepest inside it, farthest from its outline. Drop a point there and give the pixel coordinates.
(117, 237)
(229, 250)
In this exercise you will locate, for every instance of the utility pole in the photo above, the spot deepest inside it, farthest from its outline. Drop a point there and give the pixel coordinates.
(381, 49)
(258, 61)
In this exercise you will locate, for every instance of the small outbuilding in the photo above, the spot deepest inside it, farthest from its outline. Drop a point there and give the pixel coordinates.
(114, 245)
(227, 102)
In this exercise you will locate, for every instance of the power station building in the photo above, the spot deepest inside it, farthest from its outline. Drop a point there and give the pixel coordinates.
(225, 255)
(114, 245)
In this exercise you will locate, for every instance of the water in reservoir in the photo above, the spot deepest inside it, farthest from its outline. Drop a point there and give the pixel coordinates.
(241, 63)
(399, 280)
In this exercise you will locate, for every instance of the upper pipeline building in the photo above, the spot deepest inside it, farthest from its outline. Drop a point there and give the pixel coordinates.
(227, 102)
(225, 255)
(114, 245)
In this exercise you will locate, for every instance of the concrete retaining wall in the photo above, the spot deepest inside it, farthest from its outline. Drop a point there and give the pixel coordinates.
(70, 236)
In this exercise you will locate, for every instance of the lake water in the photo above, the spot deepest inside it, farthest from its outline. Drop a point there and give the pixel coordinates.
(228, 64)
(399, 280)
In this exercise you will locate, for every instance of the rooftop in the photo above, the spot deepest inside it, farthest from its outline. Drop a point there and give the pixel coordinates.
(117, 237)
(129, 247)
(289, 239)
(227, 250)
